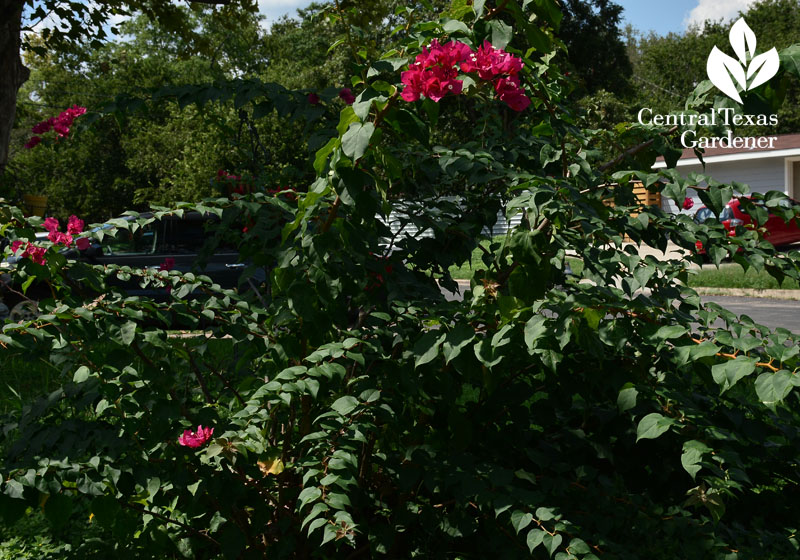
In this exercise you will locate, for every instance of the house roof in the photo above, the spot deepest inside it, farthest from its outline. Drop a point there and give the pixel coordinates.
(783, 146)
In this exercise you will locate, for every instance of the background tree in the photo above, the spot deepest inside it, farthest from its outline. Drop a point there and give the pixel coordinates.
(79, 23)
(590, 29)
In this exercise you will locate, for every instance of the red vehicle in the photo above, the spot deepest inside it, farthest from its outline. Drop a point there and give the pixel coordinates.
(777, 231)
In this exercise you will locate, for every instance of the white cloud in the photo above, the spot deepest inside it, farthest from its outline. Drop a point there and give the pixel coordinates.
(715, 10)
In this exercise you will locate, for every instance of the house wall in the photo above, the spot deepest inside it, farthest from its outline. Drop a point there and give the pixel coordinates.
(762, 175)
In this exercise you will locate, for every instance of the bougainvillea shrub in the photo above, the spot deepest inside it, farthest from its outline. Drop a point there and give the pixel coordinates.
(346, 409)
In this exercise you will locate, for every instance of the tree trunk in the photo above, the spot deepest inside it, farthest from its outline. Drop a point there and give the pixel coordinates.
(12, 72)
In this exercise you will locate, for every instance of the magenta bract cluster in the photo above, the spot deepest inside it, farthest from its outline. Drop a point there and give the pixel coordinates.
(36, 254)
(59, 124)
(434, 72)
(196, 439)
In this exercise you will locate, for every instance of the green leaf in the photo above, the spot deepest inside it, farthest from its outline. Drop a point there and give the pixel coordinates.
(520, 520)
(693, 452)
(670, 331)
(535, 328)
(501, 33)
(652, 426)
(153, 486)
(338, 500)
(772, 388)
(345, 405)
(456, 340)
(551, 542)
(545, 514)
(322, 154)
(308, 495)
(356, 140)
(626, 399)
(454, 26)
(534, 539)
(127, 332)
(727, 374)
(578, 546)
(427, 348)
(81, 374)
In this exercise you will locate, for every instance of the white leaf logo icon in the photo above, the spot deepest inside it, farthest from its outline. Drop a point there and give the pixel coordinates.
(742, 35)
(723, 69)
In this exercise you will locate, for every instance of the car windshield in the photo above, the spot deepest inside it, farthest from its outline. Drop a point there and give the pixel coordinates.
(726, 214)
(702, 215)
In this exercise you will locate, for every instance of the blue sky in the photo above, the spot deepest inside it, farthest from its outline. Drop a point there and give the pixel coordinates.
(657, 15)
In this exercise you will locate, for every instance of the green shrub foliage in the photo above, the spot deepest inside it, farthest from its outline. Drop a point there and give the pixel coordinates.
(359, 414)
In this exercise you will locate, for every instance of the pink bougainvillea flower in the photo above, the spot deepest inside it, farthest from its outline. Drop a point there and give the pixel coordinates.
(434, 71)
(490, 62)
(59, 124)
(16, 245)
(688, 203)
(76, 111)
(168, 264)
(34, 253)
(446, 55)
(414, 80)
(60, 238)
(347, 96)
(510, 91)
(440, 81)
(61, 128)
(196, 439)
(74, 225)
(33, 142)
(43, 127)
(51, 224)
(82, 243)
(313, 98)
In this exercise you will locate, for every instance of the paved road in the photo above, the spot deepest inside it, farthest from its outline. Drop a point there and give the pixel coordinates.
(770, 312)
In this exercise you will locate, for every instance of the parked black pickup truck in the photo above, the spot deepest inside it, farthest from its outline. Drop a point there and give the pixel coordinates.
(169, 243)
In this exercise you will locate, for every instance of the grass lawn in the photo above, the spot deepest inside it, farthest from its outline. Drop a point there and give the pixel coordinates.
(733, 276)
(730, 275)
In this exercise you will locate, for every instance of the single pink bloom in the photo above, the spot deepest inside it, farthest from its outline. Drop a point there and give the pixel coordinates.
(33, 142)
(490, 62)
(61, 128)
(347, 96)
(36, 254)
(313, 98)
(42, 127)
(446, 55)
(60, 238)
(51, 225)
(510, 91)
(82, 243)
(196, 439)
(413, 78)
(74, 225)
(688, 203)
(76, 111)
(439, 81)
(16, 245)
(168, 264)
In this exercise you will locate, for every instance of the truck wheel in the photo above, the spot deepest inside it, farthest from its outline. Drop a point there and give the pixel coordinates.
(26, 310)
